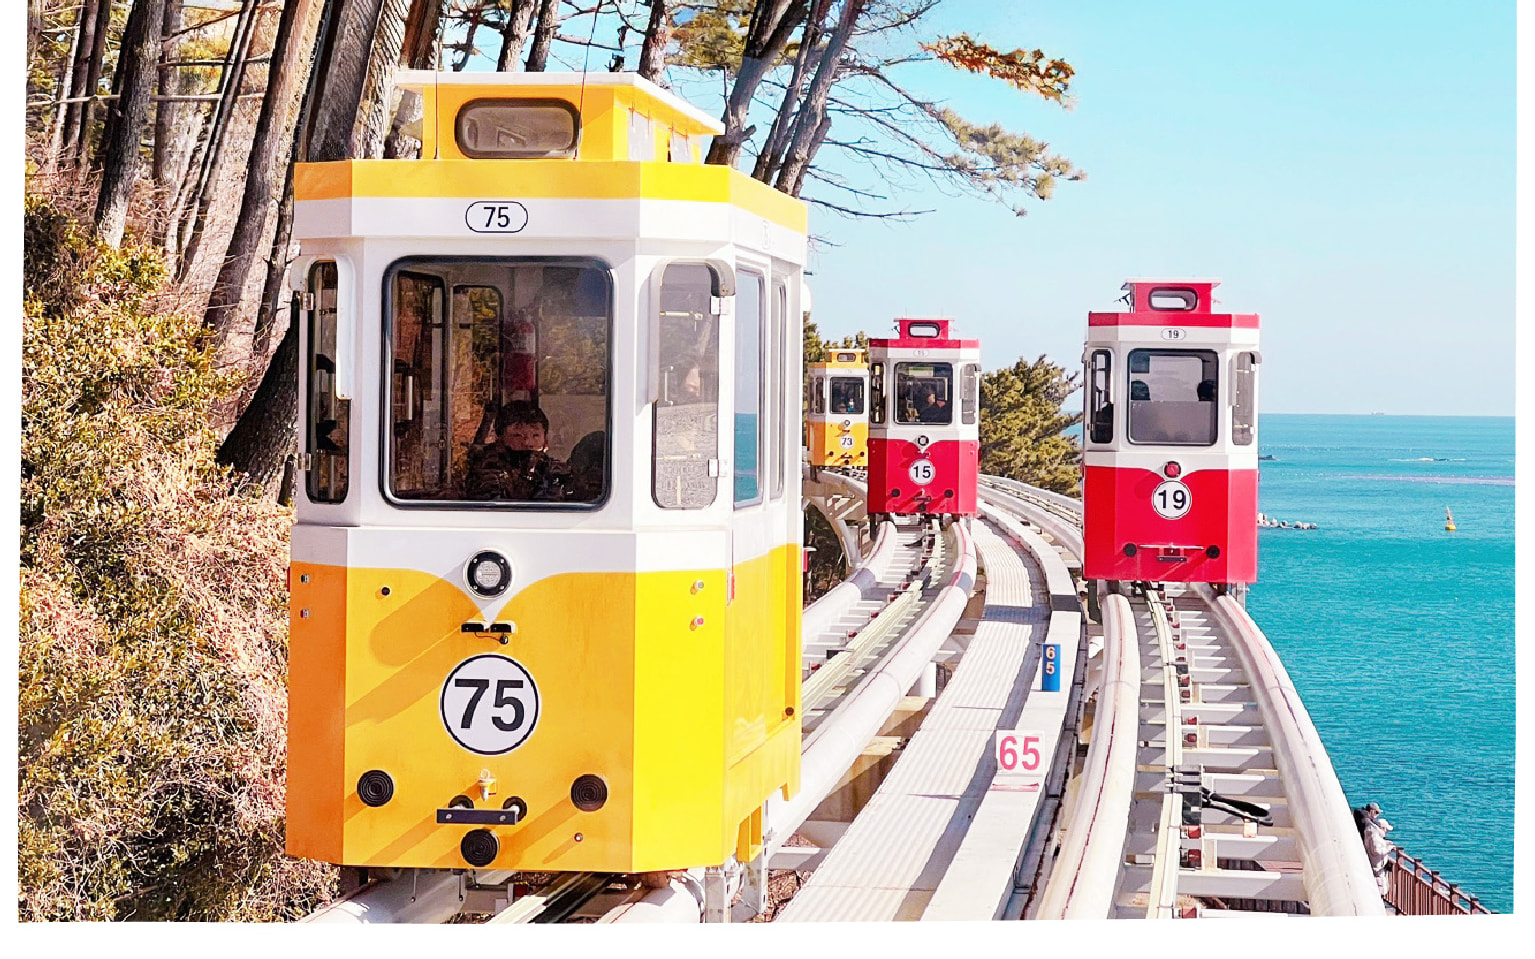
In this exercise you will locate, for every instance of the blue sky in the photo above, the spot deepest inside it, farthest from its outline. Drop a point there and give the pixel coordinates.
(1346, 170)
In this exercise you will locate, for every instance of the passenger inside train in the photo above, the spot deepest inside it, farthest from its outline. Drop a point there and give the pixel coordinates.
(846, 394)
(500, 368)
(924, 390)
(518, 467)
(1172, 397)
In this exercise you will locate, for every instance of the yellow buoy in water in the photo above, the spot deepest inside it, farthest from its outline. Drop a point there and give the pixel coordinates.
(1449, 520)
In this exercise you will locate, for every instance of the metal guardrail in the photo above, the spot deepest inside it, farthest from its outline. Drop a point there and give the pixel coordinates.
(1413, 889)
(1081, 885)
(1337, 874)
(839, 739)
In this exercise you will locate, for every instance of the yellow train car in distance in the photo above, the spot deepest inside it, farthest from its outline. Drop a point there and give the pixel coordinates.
(837, 410)
(546, 560)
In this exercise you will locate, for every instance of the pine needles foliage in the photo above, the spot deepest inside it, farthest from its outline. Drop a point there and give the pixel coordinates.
(153, 612)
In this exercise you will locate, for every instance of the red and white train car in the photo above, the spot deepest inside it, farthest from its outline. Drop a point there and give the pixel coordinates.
(924, 421)
(1170, 439)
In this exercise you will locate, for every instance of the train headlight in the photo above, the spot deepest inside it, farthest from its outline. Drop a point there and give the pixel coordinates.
(488, 573)
(1171, 470)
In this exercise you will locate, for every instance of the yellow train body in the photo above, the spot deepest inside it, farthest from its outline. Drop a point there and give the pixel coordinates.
(837, 413)
(654, 639)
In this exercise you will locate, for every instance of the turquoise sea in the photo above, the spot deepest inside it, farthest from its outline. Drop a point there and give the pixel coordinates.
(1399, 634)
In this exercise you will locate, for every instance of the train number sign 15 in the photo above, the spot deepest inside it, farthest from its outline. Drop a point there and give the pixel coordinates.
(489, 704)
(1171, 499)
(922, 472)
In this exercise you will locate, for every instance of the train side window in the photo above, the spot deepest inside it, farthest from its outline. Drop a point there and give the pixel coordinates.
(1244, 399)
(1100, 406)
(778, 395)
(969, 400)
(1173, 397)
(876, 392)
(498, 395)
(748, 394)
(847, 395)
(329, 416)
(818, 394)
(687, 407)
(924, 393)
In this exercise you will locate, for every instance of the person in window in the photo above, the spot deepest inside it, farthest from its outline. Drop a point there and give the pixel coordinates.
(1139, 390)
(935, 409)
(1205, 391)
(518, 466)
(586, 462)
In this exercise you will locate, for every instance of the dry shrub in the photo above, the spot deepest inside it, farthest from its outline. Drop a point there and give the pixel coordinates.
(153, 632)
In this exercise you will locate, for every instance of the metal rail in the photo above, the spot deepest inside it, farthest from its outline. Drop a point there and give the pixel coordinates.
(1337, 876)
(1081, 885)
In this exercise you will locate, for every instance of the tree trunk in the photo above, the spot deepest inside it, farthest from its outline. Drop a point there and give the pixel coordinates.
(341, 69)
(271, 147)
(138, 59)
(78, 40)
(771, 156)
(77, 131)
(262, 438)
(232, 77)
(519, 20)
(543, 35)
(653, 52)
(34, 29)
(772, 23)
(378, 83)
(808, 127)
(167, 113)
(421, 25)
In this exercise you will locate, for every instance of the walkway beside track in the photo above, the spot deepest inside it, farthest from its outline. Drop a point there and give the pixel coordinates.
(896, 852)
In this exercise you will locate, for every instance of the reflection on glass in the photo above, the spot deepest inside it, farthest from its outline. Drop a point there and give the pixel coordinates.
(498, 393)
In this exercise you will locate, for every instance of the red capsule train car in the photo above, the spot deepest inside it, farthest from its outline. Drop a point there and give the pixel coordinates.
(924, 421)
(1170, 439)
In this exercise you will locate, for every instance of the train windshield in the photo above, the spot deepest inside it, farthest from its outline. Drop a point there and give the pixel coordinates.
(924, 392)
(1173, 397)
(847, 394)
(498, 381)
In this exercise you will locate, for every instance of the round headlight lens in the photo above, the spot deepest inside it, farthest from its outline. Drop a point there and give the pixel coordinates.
(489, 573)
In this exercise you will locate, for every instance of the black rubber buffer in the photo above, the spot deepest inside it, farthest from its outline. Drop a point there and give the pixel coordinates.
(589, 793)
(375, 787)
(479, 847)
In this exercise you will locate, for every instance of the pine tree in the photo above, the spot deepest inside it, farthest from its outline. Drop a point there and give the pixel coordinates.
(1023, 425)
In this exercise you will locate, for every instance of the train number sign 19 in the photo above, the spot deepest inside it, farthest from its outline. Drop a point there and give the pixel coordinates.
(1171, 499)
(489, 704)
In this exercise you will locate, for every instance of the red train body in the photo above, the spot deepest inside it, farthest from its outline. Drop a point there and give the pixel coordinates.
(924, 421)
(1170, 439)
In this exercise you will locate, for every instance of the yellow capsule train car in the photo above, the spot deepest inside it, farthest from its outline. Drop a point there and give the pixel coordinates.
(545, 577)
(837, 411)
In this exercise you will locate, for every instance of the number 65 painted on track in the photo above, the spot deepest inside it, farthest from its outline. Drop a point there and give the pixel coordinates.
(1018, 752)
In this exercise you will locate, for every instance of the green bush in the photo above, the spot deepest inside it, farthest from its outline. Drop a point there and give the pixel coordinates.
(153, 627)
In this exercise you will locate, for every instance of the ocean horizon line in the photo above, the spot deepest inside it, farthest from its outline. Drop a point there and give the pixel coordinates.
(1407, 416)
